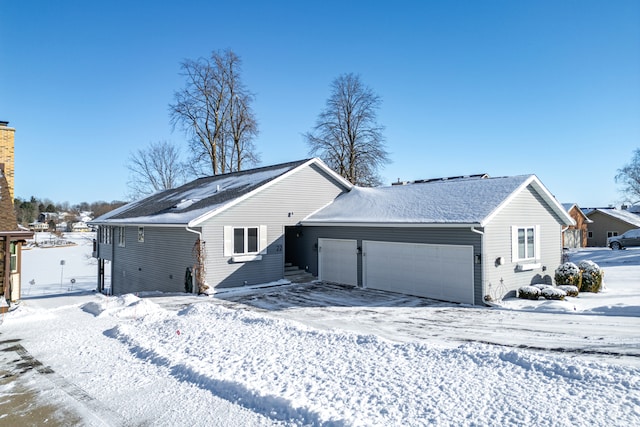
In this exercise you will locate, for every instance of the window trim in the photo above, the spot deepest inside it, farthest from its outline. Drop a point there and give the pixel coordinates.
(229, 242)
(122, 238)
(515, 253)
(13, 257)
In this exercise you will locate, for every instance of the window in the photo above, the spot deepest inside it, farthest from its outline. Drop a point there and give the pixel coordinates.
(13, 248)
(246, 243)
(612, 234)
(245, 240)
(105, 235)
(525, 243)
(141, 234)
(590, 235)
(121, 237)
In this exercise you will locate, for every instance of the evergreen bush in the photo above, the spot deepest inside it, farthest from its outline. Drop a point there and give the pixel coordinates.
(553, 293)
(529, 292)
(572, 291)
(592, 276)
(568, 274)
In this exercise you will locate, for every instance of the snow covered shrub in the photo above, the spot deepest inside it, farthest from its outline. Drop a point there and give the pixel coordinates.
(528, 292)
(568, 274)
(592, 276)
(572, 291)
(553, 293)
(541, 286)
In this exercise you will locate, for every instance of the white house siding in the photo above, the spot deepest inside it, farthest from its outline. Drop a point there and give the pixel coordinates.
(526, 209)
(157, 264)
(282, 204)
(436, 235)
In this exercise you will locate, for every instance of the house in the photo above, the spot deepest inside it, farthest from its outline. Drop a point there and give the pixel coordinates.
(575, 236)
(608, 222)
(227, 230)
(466, 239)
(80, 226)
(11, 239)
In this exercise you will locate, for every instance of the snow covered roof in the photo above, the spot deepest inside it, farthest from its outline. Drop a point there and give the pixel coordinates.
(569, 206)
(469, 201)
(200, 199)
(622, 215)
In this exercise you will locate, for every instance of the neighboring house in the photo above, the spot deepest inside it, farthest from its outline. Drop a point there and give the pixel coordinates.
(575, 236)
(80, 227)
(464, 240)
(240, 220)
(11, 239)
(608, 222)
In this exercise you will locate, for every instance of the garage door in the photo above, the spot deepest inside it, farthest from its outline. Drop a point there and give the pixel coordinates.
(443, 272)
(338, 261)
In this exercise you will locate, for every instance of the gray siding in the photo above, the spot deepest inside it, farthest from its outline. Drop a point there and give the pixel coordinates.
(307, 249)
(527, 209)
(157, 264)
(276, 207)
(104, 250)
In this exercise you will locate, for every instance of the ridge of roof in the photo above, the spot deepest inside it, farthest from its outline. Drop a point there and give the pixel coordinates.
(197, 200)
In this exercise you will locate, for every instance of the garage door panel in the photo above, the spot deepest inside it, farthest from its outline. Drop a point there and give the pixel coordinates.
(434, 271)
(338, 261)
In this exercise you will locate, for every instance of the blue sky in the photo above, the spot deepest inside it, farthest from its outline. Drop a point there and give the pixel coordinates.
(499, 87)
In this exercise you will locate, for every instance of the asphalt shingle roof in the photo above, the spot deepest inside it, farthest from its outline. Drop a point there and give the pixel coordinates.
(196, 198)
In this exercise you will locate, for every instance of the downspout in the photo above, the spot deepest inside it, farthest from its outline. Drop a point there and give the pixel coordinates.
(482, 266)
(193, 276)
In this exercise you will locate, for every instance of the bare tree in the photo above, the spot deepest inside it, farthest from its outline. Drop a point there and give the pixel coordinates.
(214, 108)
(629, 177)
(155, 168)
(346, 135)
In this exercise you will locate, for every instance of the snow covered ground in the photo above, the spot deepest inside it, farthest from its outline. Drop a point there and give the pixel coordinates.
(322, 355)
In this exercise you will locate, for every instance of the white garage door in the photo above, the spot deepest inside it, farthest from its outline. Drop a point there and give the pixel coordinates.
(443, 272)
(338, 261)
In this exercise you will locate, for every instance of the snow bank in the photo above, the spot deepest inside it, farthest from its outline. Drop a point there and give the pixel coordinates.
(297, 374)
(126, 306)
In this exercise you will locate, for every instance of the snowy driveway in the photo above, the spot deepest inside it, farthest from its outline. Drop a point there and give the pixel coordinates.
(402, 318)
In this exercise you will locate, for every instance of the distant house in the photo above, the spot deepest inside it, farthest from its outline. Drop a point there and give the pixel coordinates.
(575, 236)
(80, 227)
(608, 222)
(11, 239)
(467, 239)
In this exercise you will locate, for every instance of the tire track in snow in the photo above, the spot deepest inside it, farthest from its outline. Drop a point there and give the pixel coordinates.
(273, 407)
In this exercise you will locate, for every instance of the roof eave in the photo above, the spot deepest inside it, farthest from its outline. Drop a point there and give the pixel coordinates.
(546, 196)
(390, 224)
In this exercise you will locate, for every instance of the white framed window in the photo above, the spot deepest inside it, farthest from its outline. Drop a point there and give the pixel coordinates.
(245, 240)
(248, 240)
(611, 234)
(140, 234)
(525, 243)
(121, 237)
(105, 235)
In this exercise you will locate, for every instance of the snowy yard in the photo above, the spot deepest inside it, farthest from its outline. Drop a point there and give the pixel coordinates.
(326, 355)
